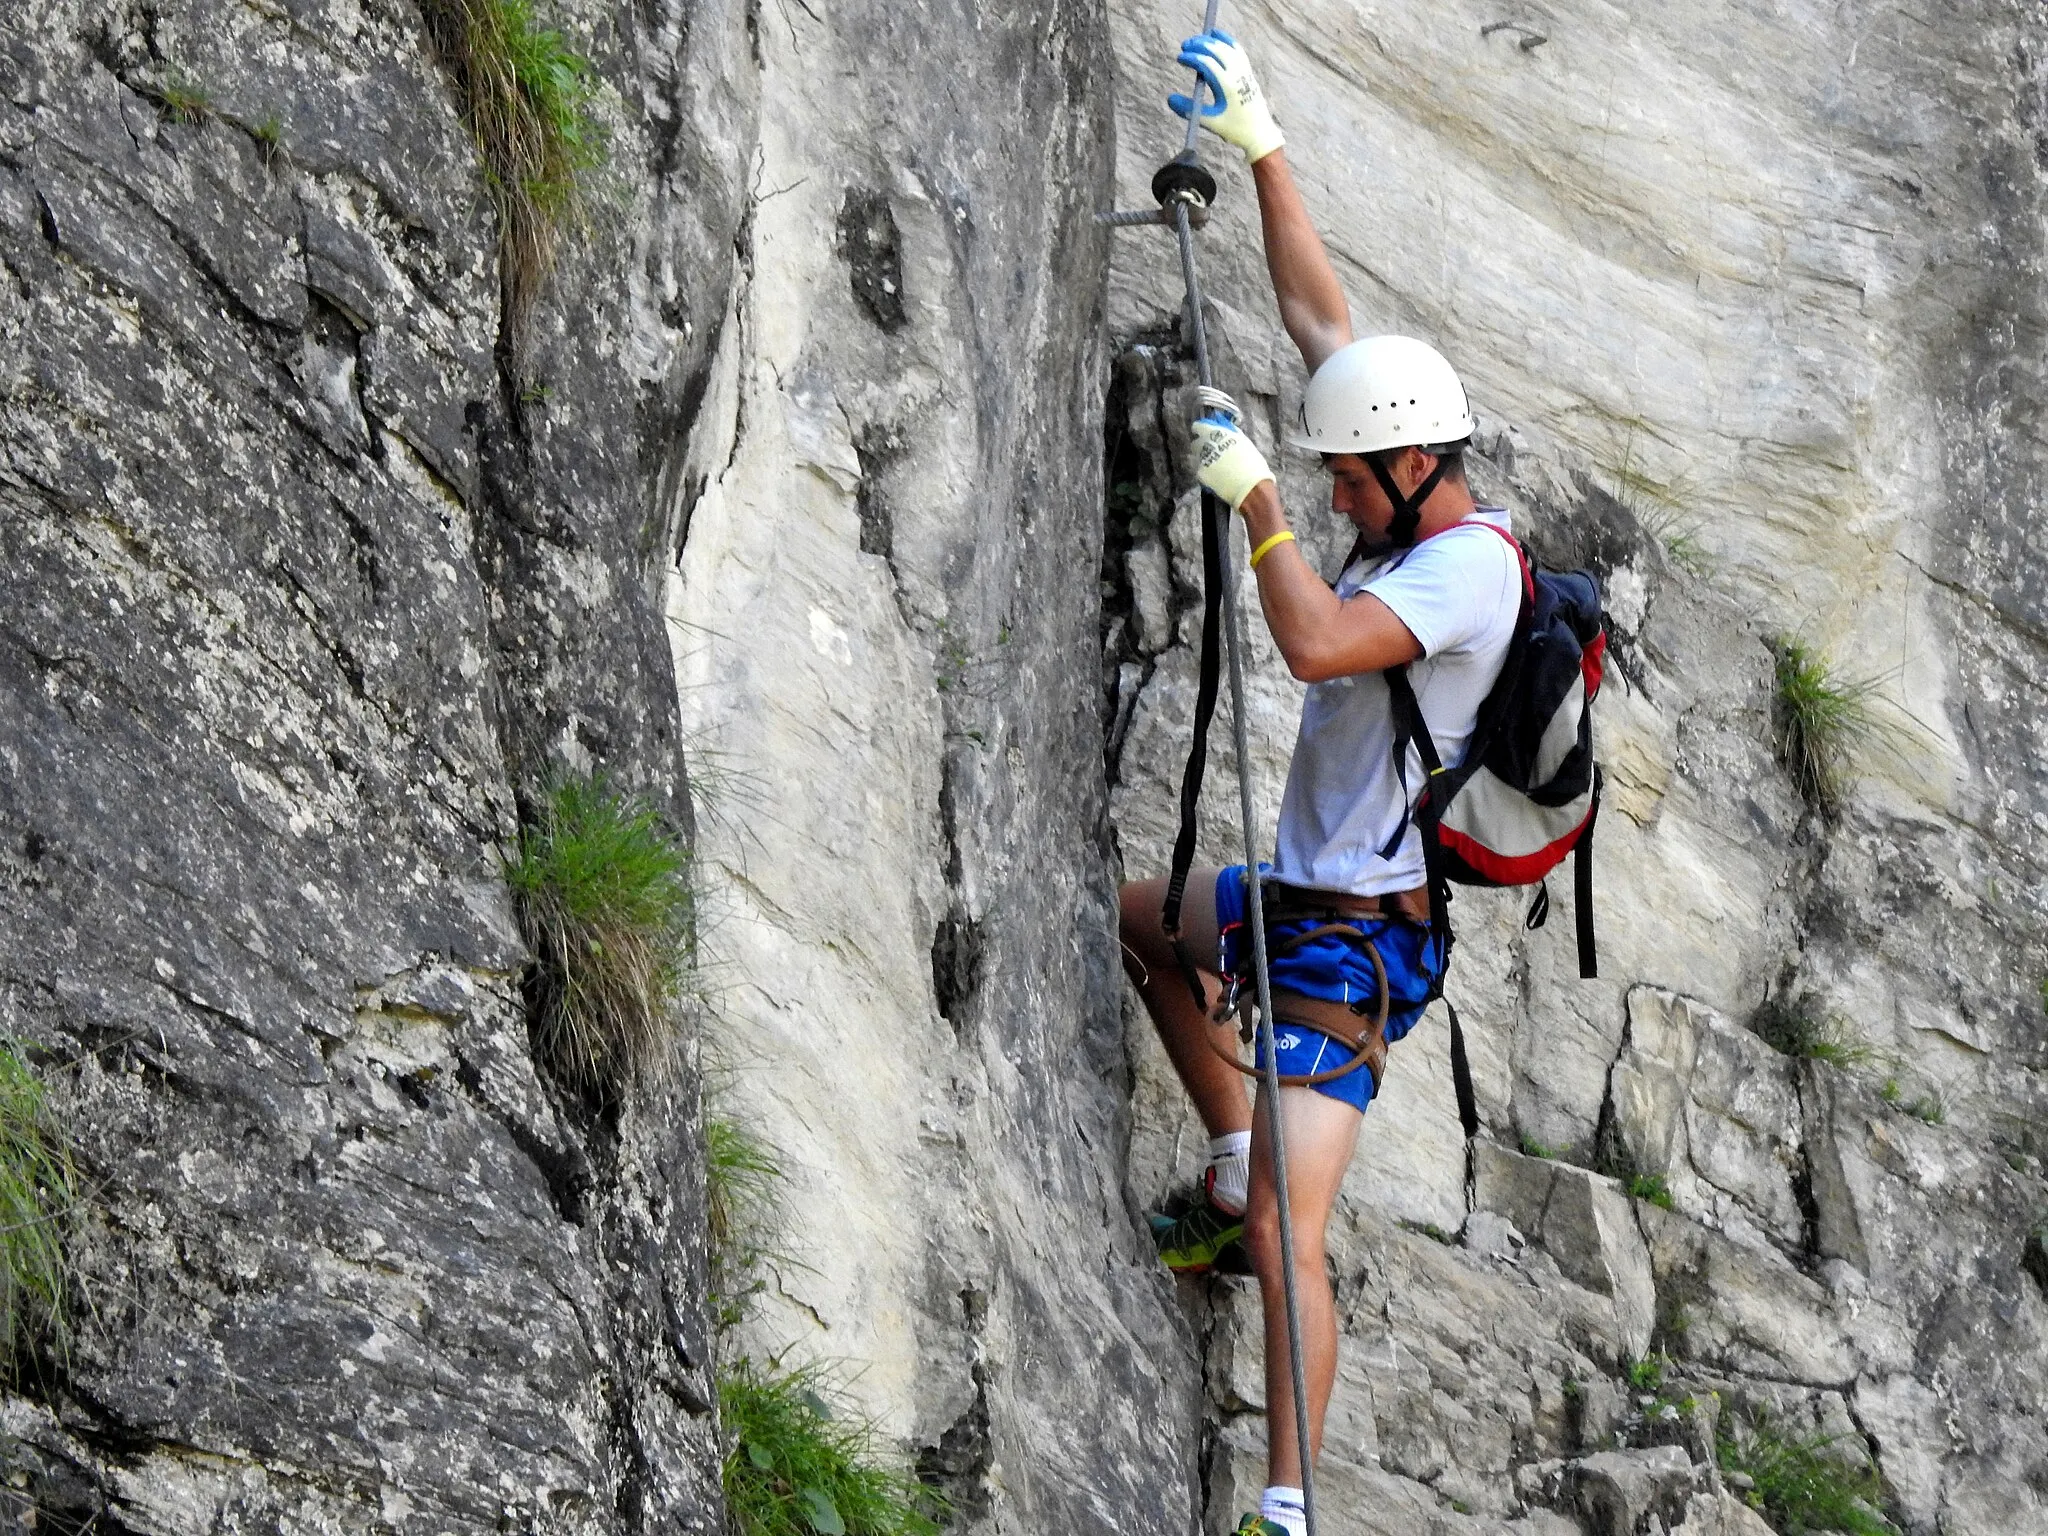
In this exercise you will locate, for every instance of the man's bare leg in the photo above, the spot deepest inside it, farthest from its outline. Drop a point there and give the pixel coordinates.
(1217, 1088)
(1321, 1134)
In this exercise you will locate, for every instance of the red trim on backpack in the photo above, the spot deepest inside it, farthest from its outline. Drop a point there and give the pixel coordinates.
(1593, 663)
(1507, 869)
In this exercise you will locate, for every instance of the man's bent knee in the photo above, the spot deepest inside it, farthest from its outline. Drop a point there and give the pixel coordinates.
(1144, 942)
(1262, 1241)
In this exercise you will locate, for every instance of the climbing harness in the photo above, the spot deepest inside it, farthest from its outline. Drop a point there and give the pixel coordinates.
(1360, 1027)
(1183, 189)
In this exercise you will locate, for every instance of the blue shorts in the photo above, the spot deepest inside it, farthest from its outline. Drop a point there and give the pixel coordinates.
(1338, 972)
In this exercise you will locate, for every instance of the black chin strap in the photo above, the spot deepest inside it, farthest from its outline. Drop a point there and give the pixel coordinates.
(1407, 509)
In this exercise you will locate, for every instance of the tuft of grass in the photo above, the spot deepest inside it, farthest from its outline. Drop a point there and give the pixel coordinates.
(1930, 1106)
(269, 137)
(1658, 505)
(1798, 1028)
(1799, 1484)
(527, 96)
(604, 899)
(742, 1214)
(37, 1189)
(1650, 1187)
(1619, 1164)
(795, 1466)
(1531, 1147)
(1647, 1374)
(1890, 1092)
(182, 99)
(1687, 551)
(1820, 720)
(795, 1463)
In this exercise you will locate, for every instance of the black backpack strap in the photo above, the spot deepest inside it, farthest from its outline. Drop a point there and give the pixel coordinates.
(1402, 706)
(1214, 511)
(1411, 729)
(1582, 885)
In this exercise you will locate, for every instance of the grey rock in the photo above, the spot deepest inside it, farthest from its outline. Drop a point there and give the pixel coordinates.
(1618, 1493)
(303, 603)
(1584, 1222)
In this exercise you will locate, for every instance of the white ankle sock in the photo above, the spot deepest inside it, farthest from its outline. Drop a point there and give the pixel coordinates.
(1283, 1506)
(1229, 1175)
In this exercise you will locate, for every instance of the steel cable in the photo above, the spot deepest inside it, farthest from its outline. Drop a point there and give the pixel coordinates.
(1213, 506)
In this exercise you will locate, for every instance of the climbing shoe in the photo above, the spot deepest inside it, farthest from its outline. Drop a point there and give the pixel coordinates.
(1258, 1525)
(1205, 1238)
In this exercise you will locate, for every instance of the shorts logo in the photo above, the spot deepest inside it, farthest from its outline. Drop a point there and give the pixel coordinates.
(1289, 1042)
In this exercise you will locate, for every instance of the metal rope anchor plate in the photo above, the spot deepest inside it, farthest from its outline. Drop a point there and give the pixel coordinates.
(1367, 1041)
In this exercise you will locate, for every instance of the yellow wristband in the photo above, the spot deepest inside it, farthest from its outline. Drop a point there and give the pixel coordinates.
(1267, 548)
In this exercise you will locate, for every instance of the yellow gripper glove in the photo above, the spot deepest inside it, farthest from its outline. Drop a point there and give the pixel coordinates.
(1226, 461)
(1237, 111)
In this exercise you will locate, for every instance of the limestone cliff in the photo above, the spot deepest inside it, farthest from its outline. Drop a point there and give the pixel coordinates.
(832, 499)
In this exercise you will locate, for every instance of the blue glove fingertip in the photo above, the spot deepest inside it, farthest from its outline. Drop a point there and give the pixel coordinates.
(1206, 68)
(1218, 32)
(1180, 104)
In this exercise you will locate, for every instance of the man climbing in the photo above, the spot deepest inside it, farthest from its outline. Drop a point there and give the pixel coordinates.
(1427, 588)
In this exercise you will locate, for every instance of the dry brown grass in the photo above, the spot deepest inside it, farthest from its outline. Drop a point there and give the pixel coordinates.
(526, 94)
(604, 900)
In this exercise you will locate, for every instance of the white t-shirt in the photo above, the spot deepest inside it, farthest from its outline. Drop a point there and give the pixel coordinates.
(1459, 593)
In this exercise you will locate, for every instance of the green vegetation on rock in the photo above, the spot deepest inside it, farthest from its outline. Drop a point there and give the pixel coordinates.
(795, 1465)
(1651, 1187)
(181, 99)
(1820, 719)
(1930, 1107)
(604, 898)
(1799, 1028)
(741, 1212)
(1800, 1483)
(1647, 1374)
(796, 1462)
(37, 1188)
(528, 101)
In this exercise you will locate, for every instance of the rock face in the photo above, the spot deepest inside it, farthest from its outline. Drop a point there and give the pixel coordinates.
(1726, 297)
(842, 459)
(308, 583)
(885, 621)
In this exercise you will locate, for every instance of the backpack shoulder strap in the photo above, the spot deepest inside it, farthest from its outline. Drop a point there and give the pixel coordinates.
(1410, 727)
(1521, 555)
(1582, 885)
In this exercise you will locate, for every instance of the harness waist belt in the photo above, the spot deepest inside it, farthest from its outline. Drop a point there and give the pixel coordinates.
(1289, 903)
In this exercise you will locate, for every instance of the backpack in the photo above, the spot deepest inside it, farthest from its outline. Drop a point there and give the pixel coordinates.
(1527, 791)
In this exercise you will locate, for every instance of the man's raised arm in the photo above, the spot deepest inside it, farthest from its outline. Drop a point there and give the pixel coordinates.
(1312, 305)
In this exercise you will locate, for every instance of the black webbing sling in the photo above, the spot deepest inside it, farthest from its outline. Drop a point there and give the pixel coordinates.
(1214, 514)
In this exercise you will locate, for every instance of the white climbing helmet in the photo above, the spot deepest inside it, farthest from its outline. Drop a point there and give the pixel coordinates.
(1382, 392)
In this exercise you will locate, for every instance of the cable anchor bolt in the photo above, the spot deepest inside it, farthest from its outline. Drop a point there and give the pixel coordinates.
(1184, 179)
